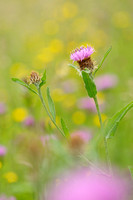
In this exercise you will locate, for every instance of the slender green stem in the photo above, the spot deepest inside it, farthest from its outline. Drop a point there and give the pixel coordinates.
(105, 141)
(44, 105)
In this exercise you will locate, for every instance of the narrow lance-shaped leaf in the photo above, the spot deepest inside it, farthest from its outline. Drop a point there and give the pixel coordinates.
(51, 104)
(75, 67)
(64, 127)
(43, 79)
(16, 80)
(89, 84)
(113, 122)
(105, 56)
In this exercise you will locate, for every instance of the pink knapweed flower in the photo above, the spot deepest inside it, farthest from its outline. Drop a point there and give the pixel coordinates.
(82, 56)
(3, 197)
(89, 104)
(87, 185)
(81, 53)
(84, 135)
(3, 150)
(78, 139)
(106, 81)
(69, 86)
(45, 139)
(2, 108)
(29, 121)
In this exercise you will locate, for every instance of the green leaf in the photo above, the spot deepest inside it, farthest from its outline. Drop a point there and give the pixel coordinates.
(43, 79)
(64, 127)
(89, 84)
(75, 67)
(131, 170)
(113, 122)
(16, 80)
(51, 104)
(106, 54)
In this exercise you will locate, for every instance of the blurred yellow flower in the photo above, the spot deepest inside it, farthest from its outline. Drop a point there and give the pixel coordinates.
(19, 69)
(62, 70)
(0, 165)
(49, 123)
(78, 117)
(96, 119)
(100, 38)
(45, 55)
(101, 97)
(58, 95)
(56, 46)
(69, 9)
(121, 19)
(19, 114)
(71, 45)
(51, 27)
(11, 177)
(69, 101)
(80, 25)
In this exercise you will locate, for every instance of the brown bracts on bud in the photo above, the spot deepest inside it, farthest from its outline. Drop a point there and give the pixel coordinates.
(35, 78)
(86, 63)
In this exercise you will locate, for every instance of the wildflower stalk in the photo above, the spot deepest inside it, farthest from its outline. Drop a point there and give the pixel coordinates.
(44, 105)
(105, 140)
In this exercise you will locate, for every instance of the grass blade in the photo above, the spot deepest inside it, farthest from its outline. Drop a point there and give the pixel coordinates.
(105, 56)
(113, 122)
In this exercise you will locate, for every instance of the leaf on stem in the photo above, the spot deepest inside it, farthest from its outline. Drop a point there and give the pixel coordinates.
(43, 79)
(64, 127)
(106, 54)
(51, 104)
(16, 80)
(89, 84)
(75, 67)
(113, 122)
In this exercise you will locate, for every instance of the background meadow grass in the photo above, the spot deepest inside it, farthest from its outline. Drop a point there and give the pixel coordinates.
(39, 35)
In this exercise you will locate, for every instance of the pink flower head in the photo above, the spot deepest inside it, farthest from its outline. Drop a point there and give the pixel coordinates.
(85, 136)
(3, 197)
(29, 121)
(87, 185)
(88, 104)
(45, 139)
(2, 108)
(81, 53)
(3, 150)
(106, 81)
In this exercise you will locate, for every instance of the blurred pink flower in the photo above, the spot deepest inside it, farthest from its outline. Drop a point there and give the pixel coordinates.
(78, 139)
(2, 108)
(69, 86)
(82, 53)
(85, 136)
(29, 121)
(106, 81)
(88, 103)
(3, 197)
(45, 139)
(3, 150)
(87, 185)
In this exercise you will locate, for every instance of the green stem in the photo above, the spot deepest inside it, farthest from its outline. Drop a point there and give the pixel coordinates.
(44, 105)
(105, 140)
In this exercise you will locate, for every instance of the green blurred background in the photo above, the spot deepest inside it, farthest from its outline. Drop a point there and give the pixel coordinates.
(38, 35)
